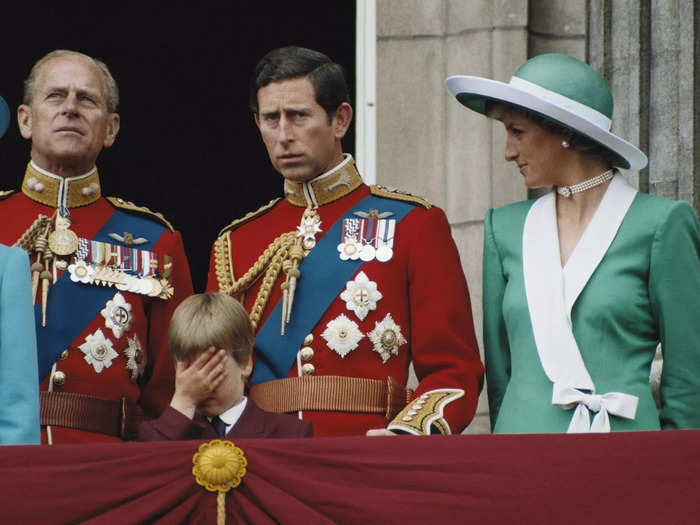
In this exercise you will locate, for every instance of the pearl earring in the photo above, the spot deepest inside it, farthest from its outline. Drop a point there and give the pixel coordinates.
(564, 144)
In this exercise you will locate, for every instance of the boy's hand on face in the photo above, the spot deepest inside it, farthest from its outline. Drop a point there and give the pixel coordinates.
(196, 381)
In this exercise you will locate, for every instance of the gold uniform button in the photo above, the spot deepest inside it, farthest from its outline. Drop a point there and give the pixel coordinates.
(64, 355)
(308, 369)
(59, 378)
(306, 353)
(308, 340)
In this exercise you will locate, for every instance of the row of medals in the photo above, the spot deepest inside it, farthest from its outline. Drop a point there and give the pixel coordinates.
(311, 224)
(63, 242)
(369, 252)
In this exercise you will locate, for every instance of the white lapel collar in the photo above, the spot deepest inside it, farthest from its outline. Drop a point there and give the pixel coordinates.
(544, 290)
(551, 293)
(596, 239)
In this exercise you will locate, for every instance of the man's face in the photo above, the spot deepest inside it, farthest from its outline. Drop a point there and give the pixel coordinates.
(299, 138)
(231, 389)
(67, 121)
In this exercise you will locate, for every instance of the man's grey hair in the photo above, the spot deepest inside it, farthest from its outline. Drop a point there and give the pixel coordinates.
(111, 91)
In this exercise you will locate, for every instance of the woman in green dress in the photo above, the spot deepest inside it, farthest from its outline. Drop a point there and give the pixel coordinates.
(582, 284)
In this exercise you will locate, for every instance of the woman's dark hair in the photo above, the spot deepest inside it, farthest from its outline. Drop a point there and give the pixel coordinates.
(327, 78)
(576, 141)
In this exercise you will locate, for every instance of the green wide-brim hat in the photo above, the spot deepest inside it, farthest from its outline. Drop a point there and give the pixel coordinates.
(560, 88)
(4, 117)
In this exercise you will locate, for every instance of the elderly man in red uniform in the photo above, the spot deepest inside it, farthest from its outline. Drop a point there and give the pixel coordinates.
(346, 284)
(106, 274)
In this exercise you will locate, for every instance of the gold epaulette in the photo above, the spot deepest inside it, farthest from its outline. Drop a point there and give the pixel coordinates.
(249, 216)
(399, 195)
(139, 210)
(4, 194)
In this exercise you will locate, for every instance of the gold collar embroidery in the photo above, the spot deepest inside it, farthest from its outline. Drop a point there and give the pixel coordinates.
(52, 190)
(325, 188)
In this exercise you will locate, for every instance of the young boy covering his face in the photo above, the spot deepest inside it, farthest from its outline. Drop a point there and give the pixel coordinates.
(211, 341)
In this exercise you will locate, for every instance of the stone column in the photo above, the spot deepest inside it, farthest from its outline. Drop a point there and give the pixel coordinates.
(646, 49)
(557, 26)
(427, 143)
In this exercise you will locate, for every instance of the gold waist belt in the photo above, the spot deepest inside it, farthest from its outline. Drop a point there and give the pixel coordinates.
(332, 394)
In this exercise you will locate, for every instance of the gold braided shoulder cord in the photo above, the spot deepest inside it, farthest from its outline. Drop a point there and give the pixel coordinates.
(282, 253)
(268, 281)
(28, 239)
(222, 264)
(35, 241)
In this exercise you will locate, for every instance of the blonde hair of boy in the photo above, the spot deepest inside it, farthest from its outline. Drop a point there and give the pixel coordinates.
(210, 319)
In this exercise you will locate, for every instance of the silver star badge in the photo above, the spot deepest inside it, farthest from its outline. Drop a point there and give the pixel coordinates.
(386, 338)
(136, 358)
(361, 295)
(342, 335)
(98, 351)
(117, 314)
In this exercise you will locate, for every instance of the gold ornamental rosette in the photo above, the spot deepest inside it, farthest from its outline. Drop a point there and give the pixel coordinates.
(219, 466)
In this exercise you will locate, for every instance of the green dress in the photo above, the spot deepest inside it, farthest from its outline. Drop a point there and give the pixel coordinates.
(645, 290)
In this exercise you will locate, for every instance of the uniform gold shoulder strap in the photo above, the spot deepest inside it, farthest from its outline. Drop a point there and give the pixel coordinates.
(249, 216)
(392, 193)
(140, 210)
(4, 194)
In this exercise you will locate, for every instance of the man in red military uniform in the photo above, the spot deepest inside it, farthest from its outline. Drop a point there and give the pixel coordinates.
(346, 284)
(107, 274)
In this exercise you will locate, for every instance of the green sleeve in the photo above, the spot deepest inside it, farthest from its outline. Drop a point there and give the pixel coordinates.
(674, 291)
(496, 349)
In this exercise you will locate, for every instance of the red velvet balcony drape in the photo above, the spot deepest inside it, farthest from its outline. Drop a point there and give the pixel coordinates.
(643, 477)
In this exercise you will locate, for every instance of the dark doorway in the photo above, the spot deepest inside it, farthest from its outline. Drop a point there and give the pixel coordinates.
(188, 146)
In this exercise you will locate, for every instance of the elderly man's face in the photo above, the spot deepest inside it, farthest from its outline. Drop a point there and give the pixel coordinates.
(300, 140)
(68, 122)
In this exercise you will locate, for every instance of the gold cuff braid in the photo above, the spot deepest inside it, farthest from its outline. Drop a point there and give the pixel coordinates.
(426, 411)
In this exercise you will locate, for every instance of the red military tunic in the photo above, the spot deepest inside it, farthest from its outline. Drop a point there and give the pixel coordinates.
(422, 288)
(139, 368)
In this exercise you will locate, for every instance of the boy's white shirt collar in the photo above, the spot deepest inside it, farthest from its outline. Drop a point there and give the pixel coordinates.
(233, 414)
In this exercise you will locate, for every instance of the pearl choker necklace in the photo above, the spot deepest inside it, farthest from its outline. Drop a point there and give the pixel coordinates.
(568, 191)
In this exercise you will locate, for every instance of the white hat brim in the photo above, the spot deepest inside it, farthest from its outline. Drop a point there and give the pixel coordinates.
(487, 89)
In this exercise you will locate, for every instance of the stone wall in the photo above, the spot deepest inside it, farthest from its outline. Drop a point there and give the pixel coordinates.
(427, 143)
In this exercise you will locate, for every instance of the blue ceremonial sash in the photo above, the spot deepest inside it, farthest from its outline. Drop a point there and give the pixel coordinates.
(72, 306)
(327, 276)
